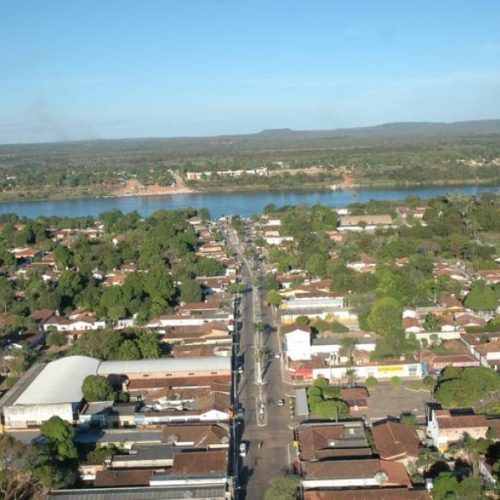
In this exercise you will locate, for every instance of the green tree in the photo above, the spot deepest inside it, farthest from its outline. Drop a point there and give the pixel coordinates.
(446, 486)
(17, 462)
(97, 388)
(481, 298)
(385, 316)
(55, 338)
(283, 488)
(191, 291)
(128, 350)
(60, 435)
(101, 344)
(468, 387)
(274, 298)
(63, 257)
(148, 345)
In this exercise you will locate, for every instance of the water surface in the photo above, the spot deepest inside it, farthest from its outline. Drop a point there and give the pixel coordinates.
(244, 204)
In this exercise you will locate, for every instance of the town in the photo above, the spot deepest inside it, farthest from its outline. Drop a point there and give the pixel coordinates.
(302, 353)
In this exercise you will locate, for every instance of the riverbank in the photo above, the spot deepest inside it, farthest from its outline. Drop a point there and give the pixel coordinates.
(98, 192)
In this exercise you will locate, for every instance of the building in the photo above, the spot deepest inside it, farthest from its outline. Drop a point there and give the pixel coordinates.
(322, 441)
(361, 473)
(445, 427)
(55, 389)
(367, 494)
(364, 222)
(395, 441)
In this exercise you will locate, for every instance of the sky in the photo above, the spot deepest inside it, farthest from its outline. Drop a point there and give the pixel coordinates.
(97, 69)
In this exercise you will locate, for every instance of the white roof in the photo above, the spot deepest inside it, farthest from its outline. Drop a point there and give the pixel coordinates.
(59, 382)
(168, 365)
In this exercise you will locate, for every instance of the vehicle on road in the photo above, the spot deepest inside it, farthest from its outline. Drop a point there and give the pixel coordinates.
(243, 449)
(241, 412)
(240, 369)
(280, 402)
(277, 356)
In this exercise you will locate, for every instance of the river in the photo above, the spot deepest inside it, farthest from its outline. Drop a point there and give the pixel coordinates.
(244, 204)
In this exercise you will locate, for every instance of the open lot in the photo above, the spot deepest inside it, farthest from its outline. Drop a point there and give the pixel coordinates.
(387, 400)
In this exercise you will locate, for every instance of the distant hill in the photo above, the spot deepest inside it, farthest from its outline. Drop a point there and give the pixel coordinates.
(422, 129)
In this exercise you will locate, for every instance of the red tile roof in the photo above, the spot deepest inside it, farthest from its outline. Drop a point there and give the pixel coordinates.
(395, 441)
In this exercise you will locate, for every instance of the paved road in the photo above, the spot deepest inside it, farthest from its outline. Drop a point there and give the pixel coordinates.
(269, 447)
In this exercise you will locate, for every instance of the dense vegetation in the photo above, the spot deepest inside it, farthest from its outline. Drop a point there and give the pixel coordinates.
(389, 157)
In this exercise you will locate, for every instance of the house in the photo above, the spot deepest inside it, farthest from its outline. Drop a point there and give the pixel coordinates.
(451, 304)
(412, 325)
(367, 494)
(308, 370)
(297, 341)
(488, 354)
(80, 322)
(275, 238)
(195, 468)
(365, 264)
(468, 320)
(211, 436)
(416, 213)
(367, 222)
(395, 441)
(445, 427)
(435, 363)
(356, 398)
(361, 473)
(323, 441)
(116, 278)
(491, 276)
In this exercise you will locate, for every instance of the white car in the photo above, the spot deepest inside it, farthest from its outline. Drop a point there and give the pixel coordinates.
(243, 449)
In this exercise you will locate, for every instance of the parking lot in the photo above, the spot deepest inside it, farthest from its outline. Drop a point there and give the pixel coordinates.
(387, 400)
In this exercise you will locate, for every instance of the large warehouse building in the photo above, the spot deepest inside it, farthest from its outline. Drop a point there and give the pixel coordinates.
(56, 388)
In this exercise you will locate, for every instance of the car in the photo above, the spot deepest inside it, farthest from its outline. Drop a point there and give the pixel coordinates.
(240, 369)
(277, 355)
(280, 402)
(243, 449)
(241, 412)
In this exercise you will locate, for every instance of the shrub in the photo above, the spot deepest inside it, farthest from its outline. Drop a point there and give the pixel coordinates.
(303, 320)
(321, 382)
(396, 380)
(429, 382)
(55, 338)
(371, 382)
(408, 419)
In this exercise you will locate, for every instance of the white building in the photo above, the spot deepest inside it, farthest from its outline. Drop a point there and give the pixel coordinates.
(56, 391)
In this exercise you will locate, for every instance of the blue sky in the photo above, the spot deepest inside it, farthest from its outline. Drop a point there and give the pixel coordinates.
(118, 68)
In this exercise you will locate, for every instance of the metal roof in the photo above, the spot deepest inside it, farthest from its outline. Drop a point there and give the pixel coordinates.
(59, 382)
(212, 492)
(169, 365)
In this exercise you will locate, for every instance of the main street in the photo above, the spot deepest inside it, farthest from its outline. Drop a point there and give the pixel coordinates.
(266, 432)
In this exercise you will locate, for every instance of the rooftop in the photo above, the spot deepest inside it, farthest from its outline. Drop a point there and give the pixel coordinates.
(60, 381)
(395, 441)
(172, 365)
